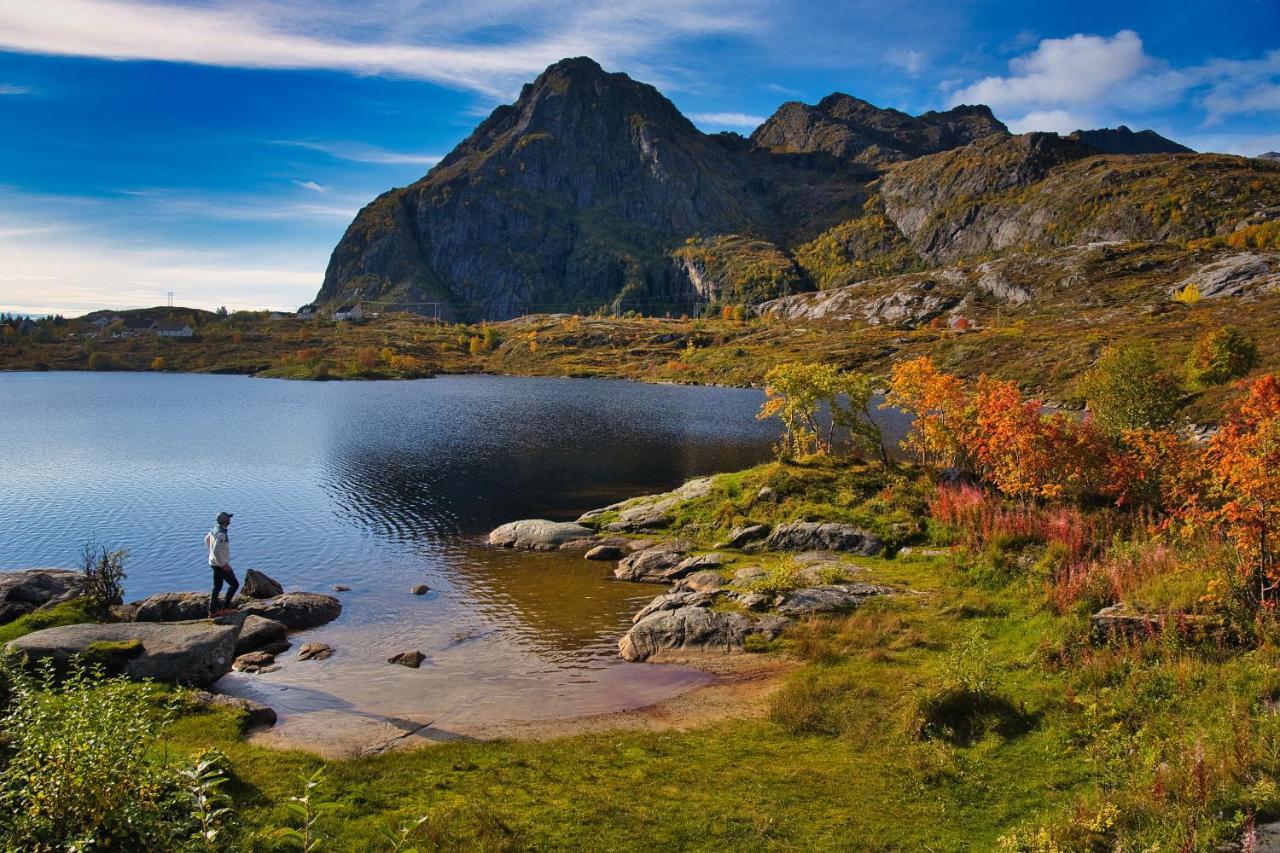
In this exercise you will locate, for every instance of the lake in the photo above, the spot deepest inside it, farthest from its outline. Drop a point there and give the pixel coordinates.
(377, 486)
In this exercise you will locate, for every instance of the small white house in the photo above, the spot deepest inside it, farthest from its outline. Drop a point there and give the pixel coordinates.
(348, 312)
(173, 330)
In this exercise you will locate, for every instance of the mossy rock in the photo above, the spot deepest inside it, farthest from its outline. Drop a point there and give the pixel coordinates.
(112, 655)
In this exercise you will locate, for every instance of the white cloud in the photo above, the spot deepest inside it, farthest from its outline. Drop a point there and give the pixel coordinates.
(1244, 144)
(436, 42)
(359, 152)
(1077, 70)
(1053, 121)
(314, 187)
(10, 89)
(728, 120)
(911, 61)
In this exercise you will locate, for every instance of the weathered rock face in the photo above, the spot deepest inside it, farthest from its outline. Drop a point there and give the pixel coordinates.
(258, 585)
(538, 534)
(25, 591)
(693, 629)
(852, 129)
(191, 653)
(296, 610)
(673, 601)
(1234, 275)
(818, 536)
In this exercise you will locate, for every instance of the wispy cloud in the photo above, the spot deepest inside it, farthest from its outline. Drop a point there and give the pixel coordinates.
(284, 35)
(360, 152)
(910, 61)
(314, 187)
(728, 120)
(10, 89)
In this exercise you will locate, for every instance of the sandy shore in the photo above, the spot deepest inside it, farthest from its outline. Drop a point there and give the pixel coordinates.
(741, 688)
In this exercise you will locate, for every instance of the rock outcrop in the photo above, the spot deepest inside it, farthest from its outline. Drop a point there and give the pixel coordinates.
(659, 564)
(189, 653)
(1122, 140)
(172, 607)
(694, 630)
(823, 536)
(258, 585)
(257, 632)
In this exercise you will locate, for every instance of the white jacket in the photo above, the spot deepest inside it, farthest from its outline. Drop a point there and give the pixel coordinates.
(219, 547)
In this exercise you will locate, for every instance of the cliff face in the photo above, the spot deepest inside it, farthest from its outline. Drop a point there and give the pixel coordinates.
(1122, 140)
(593, 190)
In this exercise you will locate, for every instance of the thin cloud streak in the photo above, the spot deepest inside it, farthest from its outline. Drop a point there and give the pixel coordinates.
(728, 119)
(358, 152)
(254, 35)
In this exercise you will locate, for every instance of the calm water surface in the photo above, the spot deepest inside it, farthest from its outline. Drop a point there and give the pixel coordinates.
(376, 486)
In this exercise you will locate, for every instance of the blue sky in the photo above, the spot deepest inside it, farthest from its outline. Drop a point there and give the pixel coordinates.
(219, 148)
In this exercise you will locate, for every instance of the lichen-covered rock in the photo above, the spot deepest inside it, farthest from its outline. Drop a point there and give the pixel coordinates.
(823, 536)
(693, 629)
(190, 653)
(1234, 275)
(538, 534)
(297, 610)
(673, 601)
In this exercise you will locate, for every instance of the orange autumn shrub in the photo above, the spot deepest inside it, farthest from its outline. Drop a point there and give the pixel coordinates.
(937, 401)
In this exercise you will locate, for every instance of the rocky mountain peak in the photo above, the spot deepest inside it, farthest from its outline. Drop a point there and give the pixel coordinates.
(850, 128)
(1122, 140)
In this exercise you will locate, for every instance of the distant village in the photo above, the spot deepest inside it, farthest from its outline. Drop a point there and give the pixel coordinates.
(129, 325)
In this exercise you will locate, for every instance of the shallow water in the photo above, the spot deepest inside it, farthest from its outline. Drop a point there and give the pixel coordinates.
(377, 486)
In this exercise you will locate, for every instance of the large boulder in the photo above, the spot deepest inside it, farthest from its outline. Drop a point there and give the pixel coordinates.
(27, 590)
(172, 607)
(537, 534)
(693, 629)
(258, 585)
(823, 536)
(827, 599)
(650, 511)
(190, 653)
(297, 610)
(660, 564)
(673, 601)
(257, 632)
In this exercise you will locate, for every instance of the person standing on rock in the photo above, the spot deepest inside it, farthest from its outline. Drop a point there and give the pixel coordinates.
(219, 545)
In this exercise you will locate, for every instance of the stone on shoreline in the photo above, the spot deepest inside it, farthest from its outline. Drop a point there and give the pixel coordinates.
(704, 581)
(297, 610)
(315, 651)
(654, 565)
(673, 601)
(823, 536)
(172, 607)
(411, 659)
(256, 714)
(694, 629)
(650, 511)
(258, 585)
(254, 662)
(605, 552)
(256, 632)
(537, 534)
(189, 653)
(420, 589)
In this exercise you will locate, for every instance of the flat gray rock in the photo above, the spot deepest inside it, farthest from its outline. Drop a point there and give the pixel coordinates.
(297, 610)
(693, 629)
(537, 534)
(673, 601)
(172, 607)
(190, 653)
(827, 599)
(605, 552)
(823, 536)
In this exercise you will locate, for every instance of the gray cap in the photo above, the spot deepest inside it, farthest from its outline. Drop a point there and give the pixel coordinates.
(224, 517)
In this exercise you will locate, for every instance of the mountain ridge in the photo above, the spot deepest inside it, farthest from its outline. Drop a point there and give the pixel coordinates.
(592, 190)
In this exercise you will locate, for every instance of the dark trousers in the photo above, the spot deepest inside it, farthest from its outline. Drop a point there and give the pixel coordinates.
(222, 574)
